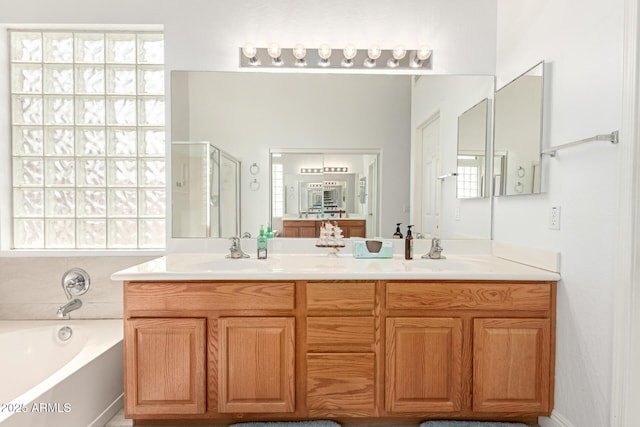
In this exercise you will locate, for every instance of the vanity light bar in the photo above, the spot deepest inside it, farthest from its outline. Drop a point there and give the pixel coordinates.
(327, 57)
(310, 170)
(330, 169)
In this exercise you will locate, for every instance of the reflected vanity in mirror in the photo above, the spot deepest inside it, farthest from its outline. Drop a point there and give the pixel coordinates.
(518, 135)
(472, 151)
(205, 185)
(309, 187)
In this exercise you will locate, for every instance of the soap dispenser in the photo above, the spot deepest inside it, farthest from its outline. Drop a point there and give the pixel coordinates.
(408, 244)
(262, 244)
(269, 233)
(398, 233)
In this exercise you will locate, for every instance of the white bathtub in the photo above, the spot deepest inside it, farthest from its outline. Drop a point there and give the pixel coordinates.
(48, 382)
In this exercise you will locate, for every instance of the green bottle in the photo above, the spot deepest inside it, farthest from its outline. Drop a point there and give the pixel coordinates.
(269, 233)
(262, 244)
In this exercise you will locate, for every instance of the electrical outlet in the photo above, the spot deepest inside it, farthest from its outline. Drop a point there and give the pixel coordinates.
(554, 218)
(456, 213)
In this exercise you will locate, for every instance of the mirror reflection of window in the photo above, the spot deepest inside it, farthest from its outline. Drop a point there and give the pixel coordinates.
(277, 189)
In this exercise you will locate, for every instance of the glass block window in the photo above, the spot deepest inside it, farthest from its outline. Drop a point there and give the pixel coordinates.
(277, 190)
(87, 115)
(468, 181)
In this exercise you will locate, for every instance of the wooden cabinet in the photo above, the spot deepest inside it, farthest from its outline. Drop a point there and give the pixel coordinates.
(384, 351)
(301, 228)
(311, 228)
(478, 349)
(353, 227)
(257, 364)
(424, 365)
(165, 361)
(511, 365)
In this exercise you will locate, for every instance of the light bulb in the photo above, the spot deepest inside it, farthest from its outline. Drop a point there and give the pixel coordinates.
(251, 53)
(249, 50)
(423, 53)
(350, 51)
(274, 52)
(324, 52)
(299, 51)
(396, 55)
(373, 53)
(399, 52)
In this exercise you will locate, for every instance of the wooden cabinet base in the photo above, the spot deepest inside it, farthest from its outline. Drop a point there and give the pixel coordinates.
(395, 352)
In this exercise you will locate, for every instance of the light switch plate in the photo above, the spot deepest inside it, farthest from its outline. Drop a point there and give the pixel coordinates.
(554, 218)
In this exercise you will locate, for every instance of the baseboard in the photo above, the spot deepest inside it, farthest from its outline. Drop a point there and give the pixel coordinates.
(556, 420)
(108, 413)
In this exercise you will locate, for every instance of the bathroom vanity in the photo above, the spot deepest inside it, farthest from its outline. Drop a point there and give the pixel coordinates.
(304, 227)
(304, 337)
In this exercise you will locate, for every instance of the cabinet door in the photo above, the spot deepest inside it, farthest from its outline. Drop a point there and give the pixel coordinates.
(257, 364)
(341, 384)
(423, 364)
(511, 369)
(165, 362)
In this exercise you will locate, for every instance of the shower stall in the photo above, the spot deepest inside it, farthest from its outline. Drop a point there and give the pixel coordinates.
(205, 191)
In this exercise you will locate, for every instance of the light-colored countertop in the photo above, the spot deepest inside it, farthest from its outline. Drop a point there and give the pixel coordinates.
(214, 266)
(325, 218)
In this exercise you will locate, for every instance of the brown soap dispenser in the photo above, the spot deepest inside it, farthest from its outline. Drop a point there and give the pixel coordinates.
(408, 244)
(398, 233)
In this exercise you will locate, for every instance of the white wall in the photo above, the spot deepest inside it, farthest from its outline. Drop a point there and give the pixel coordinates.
(451, 96)
(581, 42)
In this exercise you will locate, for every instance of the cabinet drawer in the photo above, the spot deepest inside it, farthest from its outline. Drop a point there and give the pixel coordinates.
(340, 296)
(468, 295)
(352, 334)
(209, 296)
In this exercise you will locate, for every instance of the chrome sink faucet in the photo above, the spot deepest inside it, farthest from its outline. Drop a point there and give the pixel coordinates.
(235, 251)
(72, 305)
(436, 250)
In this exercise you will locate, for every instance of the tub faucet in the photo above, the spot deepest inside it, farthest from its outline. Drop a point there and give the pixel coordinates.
(235, 251)
(72, 305)
(436, 250)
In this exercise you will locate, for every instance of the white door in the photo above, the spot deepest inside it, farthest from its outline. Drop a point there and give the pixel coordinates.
(372, 200)
(429, 168)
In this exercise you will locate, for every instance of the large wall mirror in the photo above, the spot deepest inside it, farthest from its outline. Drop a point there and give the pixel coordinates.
(518, 135)
(253, 115)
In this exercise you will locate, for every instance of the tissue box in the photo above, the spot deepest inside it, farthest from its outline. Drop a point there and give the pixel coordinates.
(373, 249)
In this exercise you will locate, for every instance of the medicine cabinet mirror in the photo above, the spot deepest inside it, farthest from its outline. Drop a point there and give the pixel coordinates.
(518, 135)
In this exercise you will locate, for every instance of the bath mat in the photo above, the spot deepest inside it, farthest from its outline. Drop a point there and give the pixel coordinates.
(288, 424)
(469, 424)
